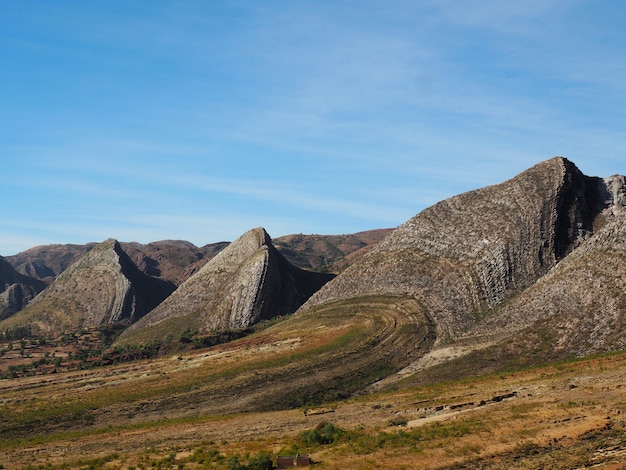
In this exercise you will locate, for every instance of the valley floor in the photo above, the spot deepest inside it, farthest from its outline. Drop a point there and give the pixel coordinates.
(568, 415)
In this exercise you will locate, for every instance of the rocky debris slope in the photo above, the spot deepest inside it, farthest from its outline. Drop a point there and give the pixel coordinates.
(247, 282)
(103, 287)
(465, 256)
(16, 289)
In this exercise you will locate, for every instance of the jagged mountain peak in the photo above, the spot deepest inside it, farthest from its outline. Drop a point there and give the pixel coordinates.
(467, 254)
(246, 282)
(463, 225)
(102, 287)
(240, 250)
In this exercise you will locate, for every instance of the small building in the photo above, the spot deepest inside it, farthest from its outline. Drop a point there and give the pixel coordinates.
(289, 461)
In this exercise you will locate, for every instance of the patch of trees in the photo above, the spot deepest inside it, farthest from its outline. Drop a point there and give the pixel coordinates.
(92, 348)
(15, 334)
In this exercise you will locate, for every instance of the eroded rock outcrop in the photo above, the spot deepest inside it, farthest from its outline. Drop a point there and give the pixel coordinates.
(576, 309)
(247, 282)
(466, 255)
(103, 287)
(16, 289)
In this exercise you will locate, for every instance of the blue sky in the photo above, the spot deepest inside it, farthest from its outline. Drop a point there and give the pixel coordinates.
(199, 120)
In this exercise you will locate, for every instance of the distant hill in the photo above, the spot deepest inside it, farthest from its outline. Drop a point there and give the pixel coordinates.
(45, 262)
(177, 260)
(330, 253)
(16, 289)
(172, 260)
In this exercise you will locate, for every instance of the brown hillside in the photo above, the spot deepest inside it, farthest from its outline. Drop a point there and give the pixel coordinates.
(330, 253)
(177, 260)
(45, 262)
(173, 260)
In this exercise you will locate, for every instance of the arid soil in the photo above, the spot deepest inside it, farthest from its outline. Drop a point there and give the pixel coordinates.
(568, 415)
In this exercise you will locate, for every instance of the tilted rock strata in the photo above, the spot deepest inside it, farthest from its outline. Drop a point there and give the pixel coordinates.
(103, 287)
(578, 308)
(171, 260)
(464, 256)
(247, 282)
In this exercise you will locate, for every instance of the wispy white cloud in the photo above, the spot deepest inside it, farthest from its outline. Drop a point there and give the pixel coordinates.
(338, 115)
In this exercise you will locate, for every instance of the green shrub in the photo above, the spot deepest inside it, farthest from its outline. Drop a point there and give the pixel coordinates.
(324, 433)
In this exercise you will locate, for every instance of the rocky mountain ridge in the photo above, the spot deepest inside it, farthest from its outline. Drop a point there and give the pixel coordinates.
(477, 287)
(171, 260)
(177, 260)
(245, 283)
(477, 260)
(530, 268)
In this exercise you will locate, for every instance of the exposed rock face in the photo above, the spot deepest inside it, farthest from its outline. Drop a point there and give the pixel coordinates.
(579, 307)
(16, 289)
(247, 282)
(103, 287)
(177, 260)
(464, 256)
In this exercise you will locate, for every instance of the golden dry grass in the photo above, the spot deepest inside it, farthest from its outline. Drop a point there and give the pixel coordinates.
(147, 414)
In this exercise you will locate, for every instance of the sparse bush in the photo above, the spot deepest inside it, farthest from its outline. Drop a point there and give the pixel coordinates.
(324, 433)
(398, 421)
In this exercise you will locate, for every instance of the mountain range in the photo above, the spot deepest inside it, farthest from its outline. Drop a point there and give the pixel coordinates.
(526, 271)
(139, 277)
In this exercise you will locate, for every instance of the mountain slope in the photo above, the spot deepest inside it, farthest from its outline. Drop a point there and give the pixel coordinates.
(16, 289)
(519, 273)
(464, 258)
(173, 260)
(330, 253)
(45, 262)
(247, 282)
(578, 308)
(103, 287)
(177, 260)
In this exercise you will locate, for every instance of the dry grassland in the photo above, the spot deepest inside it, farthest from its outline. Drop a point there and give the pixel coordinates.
(186, 412)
